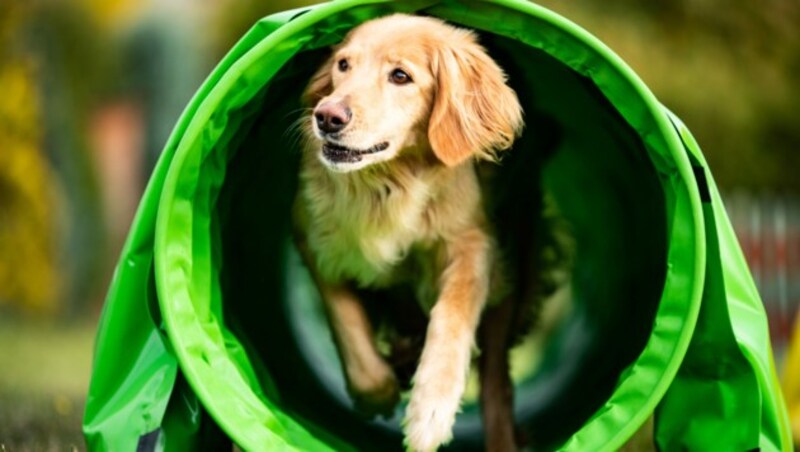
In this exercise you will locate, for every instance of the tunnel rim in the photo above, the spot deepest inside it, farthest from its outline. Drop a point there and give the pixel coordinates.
(170, 259)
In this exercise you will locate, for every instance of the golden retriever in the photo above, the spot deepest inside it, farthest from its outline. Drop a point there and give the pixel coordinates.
(389, 195)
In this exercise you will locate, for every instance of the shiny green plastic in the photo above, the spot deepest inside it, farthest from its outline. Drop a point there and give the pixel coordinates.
(199, 341)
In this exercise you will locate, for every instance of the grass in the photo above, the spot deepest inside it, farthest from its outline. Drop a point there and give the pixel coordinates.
(45, 375)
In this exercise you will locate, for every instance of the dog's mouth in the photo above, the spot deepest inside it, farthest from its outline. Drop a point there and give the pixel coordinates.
(341, 154)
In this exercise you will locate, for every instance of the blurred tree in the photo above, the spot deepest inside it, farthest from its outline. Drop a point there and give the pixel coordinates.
(112, 14)
(729, 68)
(28, 277)
(76, 69)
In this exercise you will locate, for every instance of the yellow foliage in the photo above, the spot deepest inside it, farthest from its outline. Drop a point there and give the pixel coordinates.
(28, 276)
(112, 13)
(791, 381)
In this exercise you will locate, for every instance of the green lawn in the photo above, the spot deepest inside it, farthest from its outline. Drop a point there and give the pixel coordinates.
(43, 382)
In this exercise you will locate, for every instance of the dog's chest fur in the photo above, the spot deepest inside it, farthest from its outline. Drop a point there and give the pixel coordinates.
(380, 228)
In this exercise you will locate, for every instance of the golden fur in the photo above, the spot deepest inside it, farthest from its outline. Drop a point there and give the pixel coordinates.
(411, 213)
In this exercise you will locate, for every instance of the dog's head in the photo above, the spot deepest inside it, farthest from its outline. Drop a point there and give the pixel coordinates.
(403, 84)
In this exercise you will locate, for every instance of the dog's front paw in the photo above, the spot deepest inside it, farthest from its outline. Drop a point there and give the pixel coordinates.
(430, 416)
(375, 392)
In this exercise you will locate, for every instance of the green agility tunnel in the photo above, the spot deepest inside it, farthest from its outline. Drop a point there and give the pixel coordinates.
(212, 335)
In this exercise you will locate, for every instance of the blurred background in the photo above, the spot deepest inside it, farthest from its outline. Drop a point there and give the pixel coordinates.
(92, 88)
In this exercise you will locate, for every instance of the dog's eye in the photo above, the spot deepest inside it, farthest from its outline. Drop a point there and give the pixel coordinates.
(399, 77)
(343, 65)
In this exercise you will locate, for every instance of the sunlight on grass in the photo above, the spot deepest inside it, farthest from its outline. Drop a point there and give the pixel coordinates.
(45, 358)
(45, 375)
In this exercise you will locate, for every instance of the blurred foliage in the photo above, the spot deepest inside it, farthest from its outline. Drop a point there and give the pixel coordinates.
(112, 14)
(57, 67)
(77, 53)
(729, 68)
(27, 199)
(78, 73)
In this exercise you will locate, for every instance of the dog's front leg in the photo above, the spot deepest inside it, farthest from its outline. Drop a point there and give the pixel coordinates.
(441, 376)
(370, 380)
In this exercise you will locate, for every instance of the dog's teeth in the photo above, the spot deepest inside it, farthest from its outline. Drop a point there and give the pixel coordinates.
(341, 153)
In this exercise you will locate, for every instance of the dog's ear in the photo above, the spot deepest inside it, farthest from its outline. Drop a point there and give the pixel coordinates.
(474, 112)
(320, 85)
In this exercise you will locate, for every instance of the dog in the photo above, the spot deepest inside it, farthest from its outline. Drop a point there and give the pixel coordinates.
(400, 115)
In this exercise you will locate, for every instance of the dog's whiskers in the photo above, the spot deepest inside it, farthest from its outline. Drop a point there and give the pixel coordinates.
(295, 133)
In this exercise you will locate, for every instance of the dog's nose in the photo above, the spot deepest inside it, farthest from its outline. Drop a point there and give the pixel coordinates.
(332, 116)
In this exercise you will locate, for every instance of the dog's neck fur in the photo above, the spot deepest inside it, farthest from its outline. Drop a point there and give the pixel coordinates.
(362, 225)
